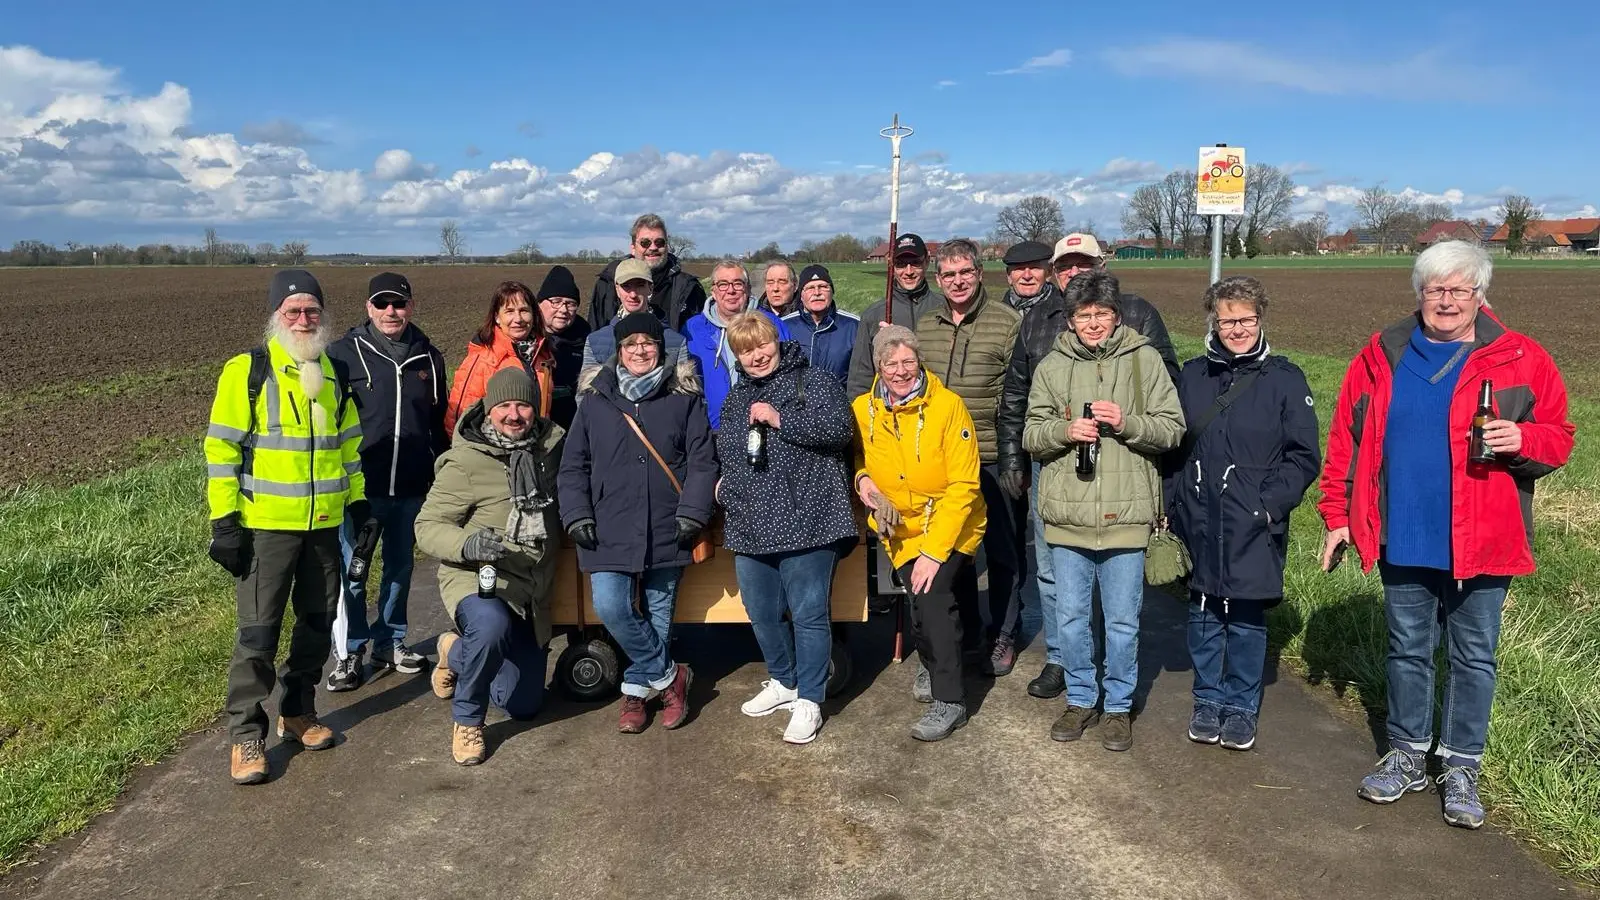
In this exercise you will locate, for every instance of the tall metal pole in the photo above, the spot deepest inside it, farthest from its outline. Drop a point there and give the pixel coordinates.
(1216, 244)
(895, 133)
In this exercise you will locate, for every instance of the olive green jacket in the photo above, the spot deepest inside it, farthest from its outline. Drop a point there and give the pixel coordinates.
(1115, 508)
(971, 358)
(471, 491)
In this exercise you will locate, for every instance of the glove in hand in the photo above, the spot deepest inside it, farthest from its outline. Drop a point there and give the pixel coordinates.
(688, 532)
(484, 546)
(230, 545)
(583, 534)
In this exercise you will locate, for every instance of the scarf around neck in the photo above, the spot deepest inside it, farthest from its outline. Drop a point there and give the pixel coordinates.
(637, 387)
(526, 523)
(1217, 351)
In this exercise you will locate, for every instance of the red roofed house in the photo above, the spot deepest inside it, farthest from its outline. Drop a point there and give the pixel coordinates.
(1440, 232)
(1555, 235)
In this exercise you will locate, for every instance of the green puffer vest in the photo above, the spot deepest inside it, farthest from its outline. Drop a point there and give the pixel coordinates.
(971, 359)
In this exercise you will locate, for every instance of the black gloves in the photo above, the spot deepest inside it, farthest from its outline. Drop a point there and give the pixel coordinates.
(230, 545)
(359, 513)
(582, 534)
(688, 531)
(484, 546)
(1014, 482)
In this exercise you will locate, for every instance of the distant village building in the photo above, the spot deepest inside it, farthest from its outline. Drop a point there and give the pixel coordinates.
(1553, 236)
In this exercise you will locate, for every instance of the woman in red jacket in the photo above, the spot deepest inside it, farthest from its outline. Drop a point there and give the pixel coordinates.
(1447, 532)
(512, 334)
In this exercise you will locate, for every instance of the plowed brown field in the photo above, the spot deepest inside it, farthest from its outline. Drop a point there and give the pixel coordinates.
(103, 368)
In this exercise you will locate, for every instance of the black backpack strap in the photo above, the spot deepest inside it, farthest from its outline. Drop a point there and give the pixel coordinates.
(260, 368)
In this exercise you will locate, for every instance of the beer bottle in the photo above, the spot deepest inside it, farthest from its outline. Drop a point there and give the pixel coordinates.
(366, 544)
(1088, 451)
(755, 445)
(1477, 450)
(486, 580)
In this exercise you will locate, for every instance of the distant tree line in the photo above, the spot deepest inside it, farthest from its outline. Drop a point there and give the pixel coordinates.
(212, 252)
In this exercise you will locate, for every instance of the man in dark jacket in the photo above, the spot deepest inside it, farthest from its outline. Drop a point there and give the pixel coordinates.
(827, 332)
(780, 289)
(679, 294)
(396, 381)
(1045, 319)
(912, 298)
(558, 304)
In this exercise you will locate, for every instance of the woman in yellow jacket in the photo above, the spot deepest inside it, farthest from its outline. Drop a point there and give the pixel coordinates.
(918, 476)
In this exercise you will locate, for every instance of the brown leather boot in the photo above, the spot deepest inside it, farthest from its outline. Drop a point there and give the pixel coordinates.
(307, 731)
(444, 680)
(466, 744)
(675, 699)
(248, 762)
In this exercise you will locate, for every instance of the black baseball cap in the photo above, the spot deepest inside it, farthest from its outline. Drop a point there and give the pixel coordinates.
(288, 282)
(910, 245)
(388, 283)
(1027, 252)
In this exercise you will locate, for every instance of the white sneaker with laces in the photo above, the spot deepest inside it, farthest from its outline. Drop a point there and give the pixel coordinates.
(805, 720)
(772, 698)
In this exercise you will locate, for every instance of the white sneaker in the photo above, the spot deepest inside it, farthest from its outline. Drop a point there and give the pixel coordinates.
(805, 720)
(772, 698)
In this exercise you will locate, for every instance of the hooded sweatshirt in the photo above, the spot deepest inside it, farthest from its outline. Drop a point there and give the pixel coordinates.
(707, 334)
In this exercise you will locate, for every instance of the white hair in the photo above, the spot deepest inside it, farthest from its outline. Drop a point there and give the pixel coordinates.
(1448, 260)
(732, 265)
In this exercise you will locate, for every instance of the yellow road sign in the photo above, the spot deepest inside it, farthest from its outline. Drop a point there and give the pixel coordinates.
(1220, 188)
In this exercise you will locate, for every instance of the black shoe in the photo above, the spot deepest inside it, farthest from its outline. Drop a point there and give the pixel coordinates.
(1073, 723)
(1118, 732)
(1052, 681)
(347, 674)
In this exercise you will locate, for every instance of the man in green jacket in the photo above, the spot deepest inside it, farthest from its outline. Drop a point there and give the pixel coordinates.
(491, 520)
(1099, 492)
(967, 341)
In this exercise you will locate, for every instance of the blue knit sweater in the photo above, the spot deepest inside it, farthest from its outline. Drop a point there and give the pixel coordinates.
(1416, 451)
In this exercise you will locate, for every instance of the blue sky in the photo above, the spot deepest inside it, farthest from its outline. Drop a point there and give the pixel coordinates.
(362, 126)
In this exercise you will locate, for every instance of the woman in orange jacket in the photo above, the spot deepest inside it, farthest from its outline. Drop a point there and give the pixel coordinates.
(512, 334)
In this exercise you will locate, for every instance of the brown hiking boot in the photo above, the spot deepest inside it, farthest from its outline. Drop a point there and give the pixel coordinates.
(1073, 723)
(444, 680)
(1118, 732)
(634, 715)
(248, 762)
(466, 744)
(675, 699)
(306, 731)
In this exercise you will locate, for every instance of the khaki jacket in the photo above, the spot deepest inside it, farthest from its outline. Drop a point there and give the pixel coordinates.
(971, 358)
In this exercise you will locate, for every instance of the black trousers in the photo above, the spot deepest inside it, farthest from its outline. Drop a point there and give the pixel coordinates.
(302, 567)
(936, 626)
(1005, 546)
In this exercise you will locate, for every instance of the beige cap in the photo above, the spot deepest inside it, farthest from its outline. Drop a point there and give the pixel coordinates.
(1077, 244)
(630, 269)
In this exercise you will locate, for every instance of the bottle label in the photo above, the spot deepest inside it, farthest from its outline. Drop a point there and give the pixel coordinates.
(752, 442)
(486, 579)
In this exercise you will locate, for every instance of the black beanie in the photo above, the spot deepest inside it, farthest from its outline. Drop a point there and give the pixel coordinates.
(814, 273)
(559, 283)
(641, 322)
(288, 282)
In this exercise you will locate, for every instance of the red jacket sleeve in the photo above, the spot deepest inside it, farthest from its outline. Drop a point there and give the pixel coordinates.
(1338, 467)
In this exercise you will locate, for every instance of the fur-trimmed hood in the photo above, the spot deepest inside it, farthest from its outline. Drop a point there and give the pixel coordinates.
(602, 379)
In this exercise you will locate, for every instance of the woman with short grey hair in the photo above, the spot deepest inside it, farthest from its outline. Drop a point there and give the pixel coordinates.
(1445, 420)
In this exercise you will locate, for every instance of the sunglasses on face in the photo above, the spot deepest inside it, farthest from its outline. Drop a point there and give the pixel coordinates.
(652, 242)
(386, 302)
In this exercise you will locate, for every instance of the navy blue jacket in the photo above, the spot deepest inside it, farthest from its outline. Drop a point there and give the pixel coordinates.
(801, 499)
(402, 407)
(828, 345)
(608, 476)
(1230, 493)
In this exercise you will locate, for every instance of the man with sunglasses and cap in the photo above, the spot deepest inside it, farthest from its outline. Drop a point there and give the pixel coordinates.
(395, 382)
(912, 298)
(678, 294)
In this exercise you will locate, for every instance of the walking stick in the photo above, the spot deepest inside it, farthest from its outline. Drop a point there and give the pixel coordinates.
(895, 132)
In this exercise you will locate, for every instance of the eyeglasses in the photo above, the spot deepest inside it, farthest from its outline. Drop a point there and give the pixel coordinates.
(652, 242)
(966, 274)
(909, 263)
(639, 346)
(1247, 323)
(730, 286)
(1455, 293)
(311, 314)
(386, 302)
(907, 366)
(1103, 317)
(561, 301)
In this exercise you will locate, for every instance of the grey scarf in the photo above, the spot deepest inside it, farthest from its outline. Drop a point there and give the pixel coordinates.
(526, 523)
(638, 387)
(1023, 304)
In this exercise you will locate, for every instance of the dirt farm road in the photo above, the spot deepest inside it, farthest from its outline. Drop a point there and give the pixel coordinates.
(568, 808)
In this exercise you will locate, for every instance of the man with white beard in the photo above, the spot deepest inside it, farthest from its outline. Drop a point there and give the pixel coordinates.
(284, 470)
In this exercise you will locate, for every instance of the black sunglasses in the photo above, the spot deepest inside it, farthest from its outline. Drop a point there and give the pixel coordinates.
(656, 242)
(386, 301)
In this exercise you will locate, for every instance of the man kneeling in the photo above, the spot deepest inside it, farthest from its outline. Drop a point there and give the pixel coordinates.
(491, 513)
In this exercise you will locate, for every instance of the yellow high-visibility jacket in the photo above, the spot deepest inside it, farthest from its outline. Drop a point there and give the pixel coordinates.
(305, 466)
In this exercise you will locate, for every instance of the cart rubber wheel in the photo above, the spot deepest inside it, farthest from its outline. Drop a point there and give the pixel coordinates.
(589, 670)
(840, 668)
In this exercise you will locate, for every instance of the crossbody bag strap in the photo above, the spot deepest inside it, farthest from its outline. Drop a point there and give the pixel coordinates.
(676, 485)
(1226, 399)
(1138, 410)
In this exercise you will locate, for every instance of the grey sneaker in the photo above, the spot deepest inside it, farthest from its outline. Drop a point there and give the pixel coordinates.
(1205, 726)
(940, 721)
(348, 673)
(1238, 730)
(398, 657)
(1117, 732)
(922, 686)
(1074, 722)
(1462, 808)
(1398, 773)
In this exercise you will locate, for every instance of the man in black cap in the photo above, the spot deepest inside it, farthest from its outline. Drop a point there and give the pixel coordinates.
(678, 294)
(912, 298)
(1028, 273)
(558, 304)
(827, 332)
(283, 465)
(396, 381)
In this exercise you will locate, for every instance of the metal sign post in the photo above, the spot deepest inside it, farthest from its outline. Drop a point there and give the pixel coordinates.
(895, 132)
(1219, 191)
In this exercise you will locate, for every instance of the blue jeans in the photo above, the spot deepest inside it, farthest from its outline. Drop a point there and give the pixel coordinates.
(801, 583)
(398, 515)
(645, 641)
(1044, 562)
(1228, 644)
(1121, 577)
(498, 660)
(1415, 599)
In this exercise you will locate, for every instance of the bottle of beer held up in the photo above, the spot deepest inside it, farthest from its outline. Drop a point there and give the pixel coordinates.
(1088, 451)
(755, 445)
(1478, 451)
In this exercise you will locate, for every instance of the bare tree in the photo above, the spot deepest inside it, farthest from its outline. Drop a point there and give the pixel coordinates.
(266, 254)
(680, 245)
(1036, 218)
(213, 247)
(294, 252)
(1517, 213)
(1146, 214)
(451, 244)
(1177, 203)
(1432, 212)
(1304, 235)
(1268, 194)
(1378, 210)
(529, 253)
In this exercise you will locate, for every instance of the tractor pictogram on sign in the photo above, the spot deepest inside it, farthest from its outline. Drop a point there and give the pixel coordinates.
(1219, 188)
